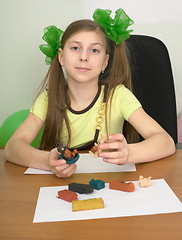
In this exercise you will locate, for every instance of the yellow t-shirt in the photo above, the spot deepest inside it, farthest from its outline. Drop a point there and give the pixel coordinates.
(83, 123)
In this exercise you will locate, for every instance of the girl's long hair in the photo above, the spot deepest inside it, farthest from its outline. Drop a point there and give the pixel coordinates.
(117, 72)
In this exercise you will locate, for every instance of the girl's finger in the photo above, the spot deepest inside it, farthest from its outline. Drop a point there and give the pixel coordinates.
(118, 161)
(67, 172)
(115, 141)
(111, 145)
(116, 137)
(65, 168)
(57, 162)
(112, 155)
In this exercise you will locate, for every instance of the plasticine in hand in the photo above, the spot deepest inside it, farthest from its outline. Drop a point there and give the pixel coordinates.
(67, 154)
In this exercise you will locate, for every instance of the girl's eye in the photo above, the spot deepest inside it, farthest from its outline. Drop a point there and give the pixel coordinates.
(75, 48)
(95, 50)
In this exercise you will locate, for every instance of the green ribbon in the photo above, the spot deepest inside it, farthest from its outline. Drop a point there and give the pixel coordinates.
(115, 29)
(52, 35)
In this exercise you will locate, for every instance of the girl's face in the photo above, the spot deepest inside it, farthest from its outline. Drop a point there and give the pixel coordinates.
(84, 56)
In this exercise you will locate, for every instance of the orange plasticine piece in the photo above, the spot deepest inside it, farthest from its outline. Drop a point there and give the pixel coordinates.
(122, 186)
(67, 195)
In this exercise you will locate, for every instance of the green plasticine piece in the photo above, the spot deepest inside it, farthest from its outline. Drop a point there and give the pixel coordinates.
(97, 184)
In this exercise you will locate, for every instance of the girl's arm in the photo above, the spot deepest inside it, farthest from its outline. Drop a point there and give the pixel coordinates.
(18, 150)
(157, 144)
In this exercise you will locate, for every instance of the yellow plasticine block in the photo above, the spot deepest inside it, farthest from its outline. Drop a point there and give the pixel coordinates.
(87, 204)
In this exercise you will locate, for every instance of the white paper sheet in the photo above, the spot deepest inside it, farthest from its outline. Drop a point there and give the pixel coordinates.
(90, 164)
(156, 199)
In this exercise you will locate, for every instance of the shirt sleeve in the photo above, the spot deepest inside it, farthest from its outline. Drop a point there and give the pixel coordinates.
(126, 102)
(39, 108)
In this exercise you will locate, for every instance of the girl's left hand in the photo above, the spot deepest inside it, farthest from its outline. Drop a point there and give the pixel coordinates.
(59, 166)
(117, 149)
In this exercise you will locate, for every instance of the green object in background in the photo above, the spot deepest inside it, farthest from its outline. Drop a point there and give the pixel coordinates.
(11, 124)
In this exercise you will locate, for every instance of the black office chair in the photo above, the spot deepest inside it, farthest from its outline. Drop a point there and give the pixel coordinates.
(152, 80)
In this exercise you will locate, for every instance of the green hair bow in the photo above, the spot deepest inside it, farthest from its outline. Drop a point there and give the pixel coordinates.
(52, 35)
(115, 29)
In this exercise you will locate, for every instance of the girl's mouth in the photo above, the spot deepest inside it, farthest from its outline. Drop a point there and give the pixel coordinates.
(82, 69)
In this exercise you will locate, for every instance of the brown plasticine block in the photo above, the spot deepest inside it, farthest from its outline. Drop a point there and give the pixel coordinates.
(87, 204)
(67, 195)
(122, 186)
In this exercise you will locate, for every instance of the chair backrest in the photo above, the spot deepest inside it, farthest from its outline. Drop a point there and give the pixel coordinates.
(152, 80)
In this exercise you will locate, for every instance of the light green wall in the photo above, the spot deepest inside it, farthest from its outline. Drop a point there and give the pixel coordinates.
(22, 66)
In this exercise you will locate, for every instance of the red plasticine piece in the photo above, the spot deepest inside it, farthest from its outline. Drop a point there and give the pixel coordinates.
(67, 195)
(122, 186)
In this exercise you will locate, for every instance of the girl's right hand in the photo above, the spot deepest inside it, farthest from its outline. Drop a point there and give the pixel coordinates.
(59, 166)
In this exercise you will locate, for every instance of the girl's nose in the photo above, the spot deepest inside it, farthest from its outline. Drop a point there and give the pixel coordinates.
(83, 59)
(83, 56)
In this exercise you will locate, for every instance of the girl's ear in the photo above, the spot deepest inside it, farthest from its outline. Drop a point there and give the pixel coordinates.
(60, 57)
(105, 62)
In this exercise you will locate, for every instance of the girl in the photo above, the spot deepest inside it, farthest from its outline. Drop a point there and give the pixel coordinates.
(93, 99)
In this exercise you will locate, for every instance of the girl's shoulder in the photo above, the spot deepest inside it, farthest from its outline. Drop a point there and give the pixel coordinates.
(121, 91)
(122, 87)
(43, 94)
(39, 108)
(42, 97)
(123, 96)
(125, 101)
